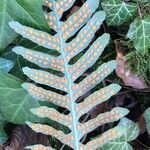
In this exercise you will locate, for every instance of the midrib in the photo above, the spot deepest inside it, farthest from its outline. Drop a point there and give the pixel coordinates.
(70, 83)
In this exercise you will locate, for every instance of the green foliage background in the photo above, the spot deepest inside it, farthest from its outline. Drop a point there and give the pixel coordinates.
(133, 20)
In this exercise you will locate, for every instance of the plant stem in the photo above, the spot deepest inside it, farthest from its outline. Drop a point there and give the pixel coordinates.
(139, 11)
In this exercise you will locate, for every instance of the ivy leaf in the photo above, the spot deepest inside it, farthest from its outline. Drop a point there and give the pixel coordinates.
(3, 135)
(15, 101)
(118, 12)
(6, 65)
(147, 118)
(142, 1)
(25, 11)
(139, 33)
(122, 142)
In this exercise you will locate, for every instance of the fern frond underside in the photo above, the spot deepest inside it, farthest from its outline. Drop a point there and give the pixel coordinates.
(89, 22)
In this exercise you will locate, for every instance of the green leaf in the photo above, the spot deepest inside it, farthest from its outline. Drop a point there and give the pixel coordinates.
(6, 34)
(5, 65)
(15, 101)
(122, 142)
(3, 135)
(139, 33)
(142, 1)
(118, 12)
(147, 118)
(26, 11)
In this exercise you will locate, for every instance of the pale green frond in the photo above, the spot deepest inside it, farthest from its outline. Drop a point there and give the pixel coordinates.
(48, 3)
(78, 19)
(41, 38)
(85, 36)
(46, 78)
(51, 113)
(69, 43)
(104, 138)
(47, 95)
(40, 59)
(52, 20)
(114, 115)
(90, 57)
(47, 130)
(97, 98)
(92, 80)
(38, 147)
(61, 6)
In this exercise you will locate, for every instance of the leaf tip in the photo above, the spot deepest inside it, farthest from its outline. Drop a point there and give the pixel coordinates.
(33, 111)
(115, 87)
(105, 39)
(13, 24)
(18, 50)
(123, 111)
(25, 85)
(26, 70)
(112, 64)
(28, 123)
(100, 15)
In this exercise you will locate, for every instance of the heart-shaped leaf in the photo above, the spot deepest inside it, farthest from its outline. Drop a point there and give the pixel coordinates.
(6, 65)
(15, 101)
(118, 12)
(122, 142)
(147, 118)
(3, 135)
(139, 33)
(26, 11)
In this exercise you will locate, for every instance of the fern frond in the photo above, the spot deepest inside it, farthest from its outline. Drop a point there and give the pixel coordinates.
(104, 138)
(39, 37)
(87, 61)
(87, 22)
(46, 78)
(84, 37)
(53, 114)
(97, 98)
(46, 95)
(45, 129)
(39, 147)
(93, 79)
(114, 115)
(41, 59)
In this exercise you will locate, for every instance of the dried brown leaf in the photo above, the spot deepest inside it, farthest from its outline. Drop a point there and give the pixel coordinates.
(124, 72)
(23, 136)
